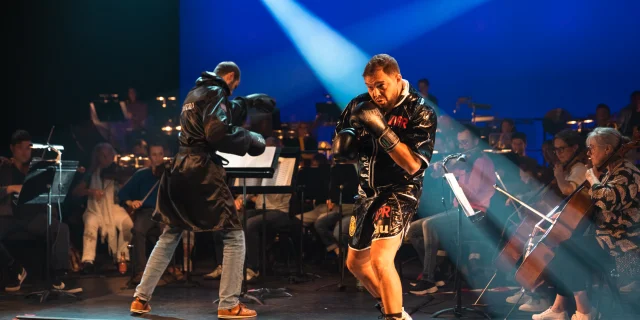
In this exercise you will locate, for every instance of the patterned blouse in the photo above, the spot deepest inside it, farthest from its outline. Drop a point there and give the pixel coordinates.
(618, 220)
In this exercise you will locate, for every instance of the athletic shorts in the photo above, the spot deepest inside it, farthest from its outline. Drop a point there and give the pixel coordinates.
(384, 216)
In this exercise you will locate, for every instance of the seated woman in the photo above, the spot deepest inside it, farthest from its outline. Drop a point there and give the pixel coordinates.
(614, 195)
(103, 214)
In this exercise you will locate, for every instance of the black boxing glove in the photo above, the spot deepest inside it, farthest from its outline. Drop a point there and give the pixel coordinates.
(261, 102)
(256, 145)
(345, 145)
(368, 116)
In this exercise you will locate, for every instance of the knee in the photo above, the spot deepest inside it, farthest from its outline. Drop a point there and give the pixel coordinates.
(381, 265)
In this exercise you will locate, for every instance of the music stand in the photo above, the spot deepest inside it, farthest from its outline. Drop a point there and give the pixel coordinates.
(464, 207)
(260, 167)
(46, 181)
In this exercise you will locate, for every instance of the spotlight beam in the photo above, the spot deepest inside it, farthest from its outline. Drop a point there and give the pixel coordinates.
(334, 60)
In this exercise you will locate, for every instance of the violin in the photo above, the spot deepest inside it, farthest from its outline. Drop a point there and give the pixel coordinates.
(514, 248)
(572, 216)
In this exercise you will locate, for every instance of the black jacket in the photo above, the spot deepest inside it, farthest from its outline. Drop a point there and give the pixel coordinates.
(194, 194)
(414, 121)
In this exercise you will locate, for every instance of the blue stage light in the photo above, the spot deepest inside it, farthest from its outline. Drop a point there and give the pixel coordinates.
(334, 59)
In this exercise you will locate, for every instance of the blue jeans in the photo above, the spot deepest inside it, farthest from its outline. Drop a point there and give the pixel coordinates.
(232, 265)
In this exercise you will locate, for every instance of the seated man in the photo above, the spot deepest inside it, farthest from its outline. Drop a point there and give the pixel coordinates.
(103, 215)
(27, 218)
(139, 196)
(476, 177)
(315, 178)
(277, 216)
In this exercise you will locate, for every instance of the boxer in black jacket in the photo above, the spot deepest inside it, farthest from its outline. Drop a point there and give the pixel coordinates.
(390, 131)
(193, 194)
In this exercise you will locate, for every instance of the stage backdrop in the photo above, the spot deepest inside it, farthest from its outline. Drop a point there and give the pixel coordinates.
(521, 57)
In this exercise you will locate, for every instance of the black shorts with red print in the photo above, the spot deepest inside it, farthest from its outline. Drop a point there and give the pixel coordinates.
(386, 215)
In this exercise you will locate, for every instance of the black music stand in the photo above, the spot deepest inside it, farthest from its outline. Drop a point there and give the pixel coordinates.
(464, 208)
(263, 166)
(48, 181)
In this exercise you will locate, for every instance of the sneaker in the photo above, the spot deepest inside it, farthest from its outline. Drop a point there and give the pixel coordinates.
(252, 275)
(404, 316)
(139, 306)
(424, 287)
(535, 305)
(519, 297)
(238, 312)
(215, 274)
(57, 284)
(16, 277)
(550, 315)
(593, 315)
(88, 267)
(631, 287)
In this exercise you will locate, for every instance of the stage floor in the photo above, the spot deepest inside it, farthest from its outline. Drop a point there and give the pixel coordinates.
(105, 298)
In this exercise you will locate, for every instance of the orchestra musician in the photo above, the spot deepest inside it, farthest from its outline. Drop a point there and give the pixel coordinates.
(614, 194)
(569, 173)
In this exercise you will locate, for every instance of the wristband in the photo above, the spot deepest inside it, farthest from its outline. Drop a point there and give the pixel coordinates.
(388, 140)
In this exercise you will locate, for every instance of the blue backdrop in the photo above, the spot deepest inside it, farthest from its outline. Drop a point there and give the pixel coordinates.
(522, 57)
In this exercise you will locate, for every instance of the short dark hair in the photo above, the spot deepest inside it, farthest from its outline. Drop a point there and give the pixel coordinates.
(475, 131)
(20, 136)
(603, 106)
(519, 135)
(225, 67)
(423, 80)
(571, 138)
(381, 61)
(509, 121)
(635, 95)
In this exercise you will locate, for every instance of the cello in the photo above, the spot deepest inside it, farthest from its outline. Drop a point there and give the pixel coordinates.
(572, 215)
(513, 250)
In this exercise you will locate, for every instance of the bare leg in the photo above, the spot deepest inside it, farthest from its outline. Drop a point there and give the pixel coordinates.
(582, 302)
(383, 253)
(559, 304)
(359, 263)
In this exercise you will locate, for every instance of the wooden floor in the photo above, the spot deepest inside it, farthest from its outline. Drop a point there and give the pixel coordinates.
(106, 298)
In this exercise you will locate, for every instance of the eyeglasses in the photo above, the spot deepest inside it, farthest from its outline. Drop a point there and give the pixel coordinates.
(464, 142)
(559, 150)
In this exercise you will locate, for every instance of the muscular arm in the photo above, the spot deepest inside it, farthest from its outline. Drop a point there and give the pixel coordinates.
(406, 158)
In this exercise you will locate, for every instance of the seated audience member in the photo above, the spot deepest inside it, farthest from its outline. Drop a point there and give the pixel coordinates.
(31, 218)
(315, 178)
(603, 116)
(326, 224)
(423, 86)
(629, 116)
(139, 195)
(103, 216)
(476, 178)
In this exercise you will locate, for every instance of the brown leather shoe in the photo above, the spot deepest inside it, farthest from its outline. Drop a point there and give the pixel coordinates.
(238, 312)
(140, 307)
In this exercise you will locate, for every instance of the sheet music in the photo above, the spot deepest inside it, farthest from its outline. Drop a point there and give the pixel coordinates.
(283, 174)
(262, 161)
(459, 194)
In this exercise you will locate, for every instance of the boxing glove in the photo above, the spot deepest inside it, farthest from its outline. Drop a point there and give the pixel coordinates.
(261, 102)
(345, 145)
(367, 115)
(256, 144)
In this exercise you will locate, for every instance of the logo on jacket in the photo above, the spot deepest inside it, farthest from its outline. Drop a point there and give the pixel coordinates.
(352, 226)
(398, 121)
(382, 213)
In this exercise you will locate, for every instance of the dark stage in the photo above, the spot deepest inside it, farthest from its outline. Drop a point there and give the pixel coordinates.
(105, 298)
